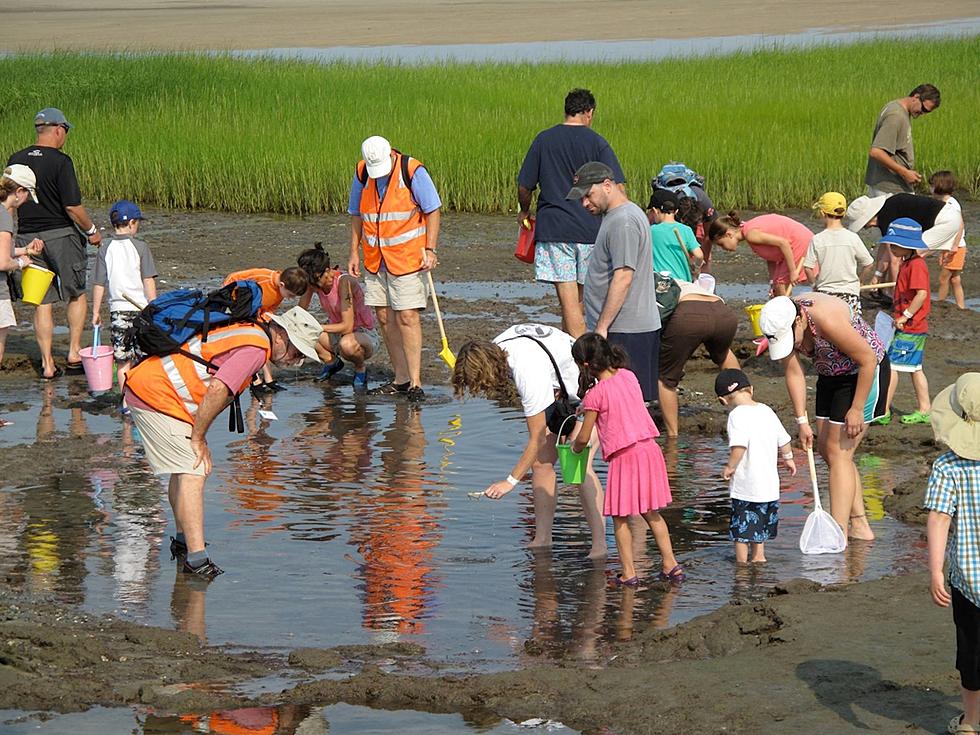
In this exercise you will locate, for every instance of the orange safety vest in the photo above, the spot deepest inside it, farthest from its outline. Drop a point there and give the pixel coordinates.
(392, 227)
(175, 384)
(268, 281)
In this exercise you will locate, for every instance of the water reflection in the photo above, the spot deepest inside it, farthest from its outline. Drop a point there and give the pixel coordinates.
(281, 720)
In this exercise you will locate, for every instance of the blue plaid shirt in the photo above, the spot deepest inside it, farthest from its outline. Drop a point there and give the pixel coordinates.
(954, 489)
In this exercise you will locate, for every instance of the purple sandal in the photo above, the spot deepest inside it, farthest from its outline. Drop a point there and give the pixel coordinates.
(674, 575)
(631, 582)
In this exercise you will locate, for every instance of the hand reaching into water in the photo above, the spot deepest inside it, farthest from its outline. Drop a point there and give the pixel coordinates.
(498, 490)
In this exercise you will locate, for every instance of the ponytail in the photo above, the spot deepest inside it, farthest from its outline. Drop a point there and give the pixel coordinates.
(723, 225)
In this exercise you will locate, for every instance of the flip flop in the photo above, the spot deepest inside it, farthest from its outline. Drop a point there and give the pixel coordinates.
(674, 575)
(58, 372)
(74, 368)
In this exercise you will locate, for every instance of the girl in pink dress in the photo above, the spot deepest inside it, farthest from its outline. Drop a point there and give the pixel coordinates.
(637, 481)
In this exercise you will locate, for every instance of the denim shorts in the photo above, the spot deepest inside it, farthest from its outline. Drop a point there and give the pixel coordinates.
(562, 262)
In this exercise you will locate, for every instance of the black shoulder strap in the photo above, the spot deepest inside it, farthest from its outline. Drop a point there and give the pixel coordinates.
(362, 175)
(563, 393)
(406, 176)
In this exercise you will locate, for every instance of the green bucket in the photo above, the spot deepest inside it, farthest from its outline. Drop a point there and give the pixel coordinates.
(572, 465)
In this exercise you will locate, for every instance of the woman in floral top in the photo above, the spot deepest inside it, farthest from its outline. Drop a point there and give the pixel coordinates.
(852, 386)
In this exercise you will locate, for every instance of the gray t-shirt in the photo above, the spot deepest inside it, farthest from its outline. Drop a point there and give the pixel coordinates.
(6, 225)
(893, 134)
(840, 255)
(623, 242)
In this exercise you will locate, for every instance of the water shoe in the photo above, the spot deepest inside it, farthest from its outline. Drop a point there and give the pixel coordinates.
(919, 417)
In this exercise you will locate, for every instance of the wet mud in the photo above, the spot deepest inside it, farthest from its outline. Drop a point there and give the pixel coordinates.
(875, 655)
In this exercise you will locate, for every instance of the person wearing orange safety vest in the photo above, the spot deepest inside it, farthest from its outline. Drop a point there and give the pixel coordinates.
(394, 208)
(175, 398)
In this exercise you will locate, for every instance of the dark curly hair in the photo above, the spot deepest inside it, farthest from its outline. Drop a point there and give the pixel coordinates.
(314, 261)
(593, 354)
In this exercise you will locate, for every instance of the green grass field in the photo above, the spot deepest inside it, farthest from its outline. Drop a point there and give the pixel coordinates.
(767, 129)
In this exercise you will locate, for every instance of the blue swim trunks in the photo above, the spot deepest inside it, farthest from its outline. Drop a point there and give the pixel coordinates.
(753, 523)
(907, 351)
(561, 262)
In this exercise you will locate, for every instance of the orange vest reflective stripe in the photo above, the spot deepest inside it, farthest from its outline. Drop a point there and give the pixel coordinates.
(393, 227)
(268, 281)
(176, 384)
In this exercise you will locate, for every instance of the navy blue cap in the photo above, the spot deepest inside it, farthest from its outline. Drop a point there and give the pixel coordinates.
(729, 381)
(124, 211)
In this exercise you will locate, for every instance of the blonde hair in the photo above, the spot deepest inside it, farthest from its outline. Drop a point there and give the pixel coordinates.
(482, 370)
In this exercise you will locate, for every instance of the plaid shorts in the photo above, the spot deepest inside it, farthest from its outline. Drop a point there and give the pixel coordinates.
(120, 322)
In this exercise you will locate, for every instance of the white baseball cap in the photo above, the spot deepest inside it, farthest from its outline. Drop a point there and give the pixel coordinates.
(776, 322)
(22, 176)
(861, 210)
(377, 155)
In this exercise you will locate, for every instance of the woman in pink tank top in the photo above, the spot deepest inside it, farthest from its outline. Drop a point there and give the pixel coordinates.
(780, 241)
(349, 332)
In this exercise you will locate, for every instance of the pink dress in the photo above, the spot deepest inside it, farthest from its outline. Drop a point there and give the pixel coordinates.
(777, 224)
(637, 479)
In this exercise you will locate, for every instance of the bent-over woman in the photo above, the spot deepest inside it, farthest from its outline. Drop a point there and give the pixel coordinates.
(852, 385)
(519, 361)
(779, 240)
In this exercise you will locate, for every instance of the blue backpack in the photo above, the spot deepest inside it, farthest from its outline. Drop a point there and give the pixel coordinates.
(170, 320)
(678, 178)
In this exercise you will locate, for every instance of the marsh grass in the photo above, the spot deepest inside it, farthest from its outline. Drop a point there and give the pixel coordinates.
(768, 129)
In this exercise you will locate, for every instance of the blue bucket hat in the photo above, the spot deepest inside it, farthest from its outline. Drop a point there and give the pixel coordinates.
(906, 233)
(124, 211)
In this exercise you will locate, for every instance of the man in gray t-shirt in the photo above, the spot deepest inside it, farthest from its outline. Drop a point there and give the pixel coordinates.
(891, 160)
(620, 293)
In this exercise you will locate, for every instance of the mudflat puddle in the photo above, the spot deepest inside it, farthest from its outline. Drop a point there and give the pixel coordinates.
(337, 719)
(347, 521)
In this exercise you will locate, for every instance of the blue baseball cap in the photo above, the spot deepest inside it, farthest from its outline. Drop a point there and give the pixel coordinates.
(906, 233)
(123, 211)
(52, 116)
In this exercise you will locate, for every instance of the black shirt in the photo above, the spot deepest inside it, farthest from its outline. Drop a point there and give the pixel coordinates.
(914, 206)
(57, 188)
(551, 162)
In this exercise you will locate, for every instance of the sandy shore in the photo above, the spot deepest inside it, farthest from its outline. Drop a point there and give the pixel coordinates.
(257, 24)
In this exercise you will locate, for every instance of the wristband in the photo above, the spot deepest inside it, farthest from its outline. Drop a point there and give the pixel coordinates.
(879, 274)
(788, 455)
(511, 480)
(91, 231)
(23, 261)
(907, 314)
(804, 419)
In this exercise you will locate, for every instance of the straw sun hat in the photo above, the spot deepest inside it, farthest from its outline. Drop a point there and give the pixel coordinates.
(956, 416)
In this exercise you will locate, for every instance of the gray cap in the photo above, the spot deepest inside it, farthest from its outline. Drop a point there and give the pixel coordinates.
(51, 116)
(588, 174)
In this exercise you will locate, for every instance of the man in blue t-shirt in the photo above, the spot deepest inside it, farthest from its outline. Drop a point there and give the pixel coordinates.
(564, 230)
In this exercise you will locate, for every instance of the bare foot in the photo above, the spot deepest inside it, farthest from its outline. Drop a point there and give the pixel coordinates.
(598, 552)
(537, 543)
(860, 529)
(763, 560)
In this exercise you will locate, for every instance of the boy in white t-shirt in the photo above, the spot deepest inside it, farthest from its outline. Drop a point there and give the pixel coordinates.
(125, 267)
(756, 438)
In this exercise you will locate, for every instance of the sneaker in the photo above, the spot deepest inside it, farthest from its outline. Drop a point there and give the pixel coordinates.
(883, 420)
(276, 387)
(919, 417)
(178, 549)
(390, 389)
(415, 394)
(261, 389)
(330, 369)
(208, 570)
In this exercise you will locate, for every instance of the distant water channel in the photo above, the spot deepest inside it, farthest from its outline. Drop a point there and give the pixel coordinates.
(651, 49)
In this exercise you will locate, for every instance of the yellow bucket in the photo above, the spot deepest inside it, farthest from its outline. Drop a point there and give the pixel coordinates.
(34, 282)
(753, 311)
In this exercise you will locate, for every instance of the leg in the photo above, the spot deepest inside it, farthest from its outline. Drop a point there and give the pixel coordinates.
(172, 487)
(892, 386)
(741, 552)
(570, 301)
(944, 278)
(188, 504)
(662, 536)
(957, 285)
(624, 543)
(971, 706)
(77, 311)
(43, 332)
(758, 553)
(410, 329)
(356, 348)
(122, 368)
(3, 342)
(730, 362)
(387, 322)
(324, 349)
(266, 373)
(921, 387)
(671, 409)
(846, 497)
(591, 496)
(543, 489)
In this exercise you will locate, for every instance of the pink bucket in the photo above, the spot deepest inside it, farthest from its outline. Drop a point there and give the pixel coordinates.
(97, 363)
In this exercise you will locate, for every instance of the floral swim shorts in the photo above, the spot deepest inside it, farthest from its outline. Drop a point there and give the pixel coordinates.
(753, 523)
(561, 262)
(120, 322)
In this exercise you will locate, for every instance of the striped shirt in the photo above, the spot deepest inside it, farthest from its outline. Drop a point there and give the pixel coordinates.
(954, 489)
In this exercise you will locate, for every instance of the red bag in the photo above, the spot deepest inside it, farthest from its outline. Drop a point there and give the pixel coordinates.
(524, 251)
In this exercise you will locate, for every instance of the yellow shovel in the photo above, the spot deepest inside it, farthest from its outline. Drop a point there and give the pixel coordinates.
(446, 354)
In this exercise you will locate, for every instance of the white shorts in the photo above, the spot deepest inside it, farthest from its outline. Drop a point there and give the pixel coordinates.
(399, 292)
(7, 317)
(167, 443)
(942, 235)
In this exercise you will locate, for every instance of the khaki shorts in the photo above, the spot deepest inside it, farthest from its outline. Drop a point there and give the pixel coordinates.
(167, 443)
(7, 318)
(370, 334)
(401, 293)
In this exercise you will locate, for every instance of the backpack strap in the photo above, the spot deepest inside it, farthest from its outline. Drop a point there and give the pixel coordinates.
(562, 392)
(362, 175)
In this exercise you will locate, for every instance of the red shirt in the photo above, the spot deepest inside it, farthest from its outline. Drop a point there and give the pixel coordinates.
(913, 276)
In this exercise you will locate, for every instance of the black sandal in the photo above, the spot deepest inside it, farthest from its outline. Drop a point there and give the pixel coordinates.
(390, 389)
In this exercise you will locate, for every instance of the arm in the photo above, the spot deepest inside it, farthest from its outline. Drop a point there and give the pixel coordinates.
(917, 301)
(619, 286)
(734, 457)
(346, 323)
(585, 431)
(8, 263)
(215, 400)
(98, 293)
(786, 454)
(811, 275)
(149, 288)
(869, 268)
(796, 387)
(432, 220)
(696, 258)
(937, 532)
(757, 237)
(354, 261)
(524, 199)
(537, 439)
(80, 217)
(885, 159)
(305, 299)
